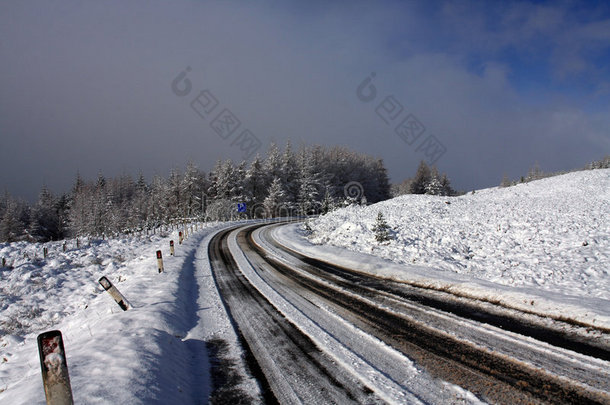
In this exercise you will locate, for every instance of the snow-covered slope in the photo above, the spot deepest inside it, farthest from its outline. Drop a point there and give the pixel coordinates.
(154, 353)
(552, 234)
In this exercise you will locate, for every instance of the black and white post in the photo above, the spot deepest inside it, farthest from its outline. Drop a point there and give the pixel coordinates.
(160, 261)
(171, 248)
(115, 293)
(54, 367)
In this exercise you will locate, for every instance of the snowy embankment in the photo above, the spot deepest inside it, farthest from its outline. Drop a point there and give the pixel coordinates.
(542, 246)
(154, 353)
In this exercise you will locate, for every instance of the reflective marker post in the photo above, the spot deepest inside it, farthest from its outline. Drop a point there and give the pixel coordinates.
(159, 261)
(115, 293)
(54, 367)
(45, 252)
(171, 248)
(180, 237)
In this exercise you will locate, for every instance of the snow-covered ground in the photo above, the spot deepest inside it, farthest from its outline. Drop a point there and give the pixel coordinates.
(547, 240)
(542, 246)
(154, 353)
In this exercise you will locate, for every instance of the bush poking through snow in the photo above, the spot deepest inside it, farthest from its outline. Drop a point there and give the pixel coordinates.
(307, 227)
(381, 229)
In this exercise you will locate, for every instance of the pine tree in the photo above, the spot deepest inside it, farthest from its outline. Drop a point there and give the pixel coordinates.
(421, 179)
(446, 186)
(309, 180)
(434, 187)
(276, 197)
(4, 203)
(273, 164)
(255, 181)
(13, 222)
(226, 181)
(191, 189)
(62, 207)
(239, 186)
(79, 214)
(156, 203)
(138, 207)
(381, 229)
(328, 204)
(173, 195)
(100, 206)
(382, 182)
(45, 222)
(290, 176)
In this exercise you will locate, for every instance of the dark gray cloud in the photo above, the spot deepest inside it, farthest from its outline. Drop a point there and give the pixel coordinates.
(86, 86)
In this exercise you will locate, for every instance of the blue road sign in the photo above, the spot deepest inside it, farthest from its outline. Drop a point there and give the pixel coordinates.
(241, 207)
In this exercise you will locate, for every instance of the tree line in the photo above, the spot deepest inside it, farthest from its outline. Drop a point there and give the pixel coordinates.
(427, 180)
(285, 182)
(536, 173)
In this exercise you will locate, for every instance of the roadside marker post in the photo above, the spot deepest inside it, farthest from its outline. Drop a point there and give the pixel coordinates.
(160, 261)
(4, 262)
(180, 238)
(115, 293)
(171, 248)
(54, 368)
(77, 243)
(64, 247)
(45, 252)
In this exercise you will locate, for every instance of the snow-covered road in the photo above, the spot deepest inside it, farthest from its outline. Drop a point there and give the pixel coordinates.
(373, 328)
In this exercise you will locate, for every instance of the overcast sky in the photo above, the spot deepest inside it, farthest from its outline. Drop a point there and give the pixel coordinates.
(498, 86)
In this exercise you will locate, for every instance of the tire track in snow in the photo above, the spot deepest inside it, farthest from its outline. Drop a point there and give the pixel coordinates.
(296, 370)
(359, 304)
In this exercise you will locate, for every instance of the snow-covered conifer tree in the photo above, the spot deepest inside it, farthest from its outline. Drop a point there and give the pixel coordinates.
(421, 179)
(275, 199)
(381, 229)
(44, 219)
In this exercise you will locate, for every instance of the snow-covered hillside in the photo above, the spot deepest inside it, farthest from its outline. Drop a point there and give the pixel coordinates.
(154, 353)
(552, 234)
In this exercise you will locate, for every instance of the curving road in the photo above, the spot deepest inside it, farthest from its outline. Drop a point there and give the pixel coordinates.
(324, 334)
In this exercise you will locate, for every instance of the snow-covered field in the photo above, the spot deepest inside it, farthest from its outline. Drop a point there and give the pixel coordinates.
(549, 237)
(154, 353)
